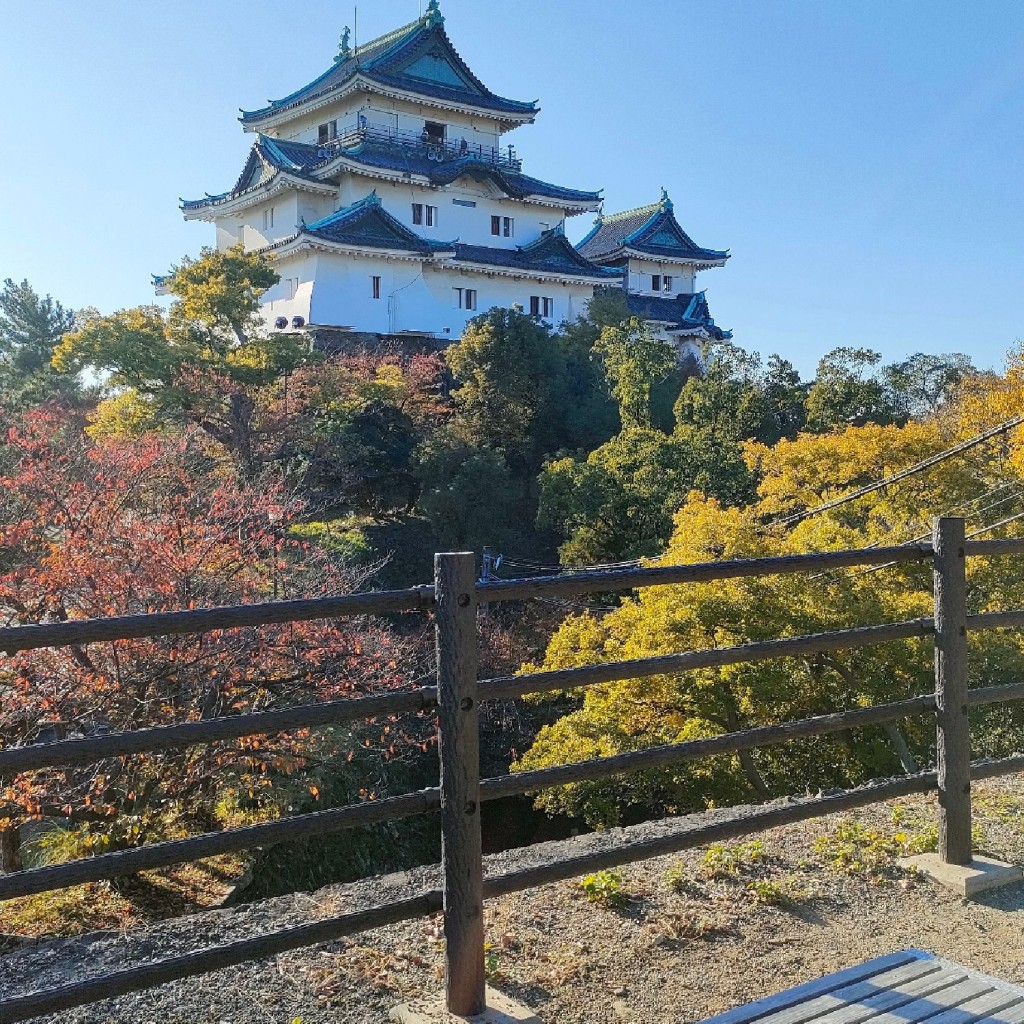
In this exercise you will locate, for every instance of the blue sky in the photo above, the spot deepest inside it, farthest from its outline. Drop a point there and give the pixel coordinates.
(862, 160)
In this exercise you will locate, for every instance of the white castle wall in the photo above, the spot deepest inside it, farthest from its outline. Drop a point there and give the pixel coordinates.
(335, 290)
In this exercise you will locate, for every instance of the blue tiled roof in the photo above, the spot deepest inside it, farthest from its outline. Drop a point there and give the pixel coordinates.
(303, 160)
(552, 253)
(417, 58)
(652, 230)
(367, 223)
(683, 311)
(416, 160)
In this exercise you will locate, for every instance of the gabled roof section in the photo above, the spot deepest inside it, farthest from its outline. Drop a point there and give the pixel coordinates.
(418, 58)
(552, 253)
(267, 158)
(367, 224)
(685, 313)
(647, 231)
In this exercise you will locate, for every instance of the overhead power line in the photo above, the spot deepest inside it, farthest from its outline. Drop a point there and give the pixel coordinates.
(932, 460)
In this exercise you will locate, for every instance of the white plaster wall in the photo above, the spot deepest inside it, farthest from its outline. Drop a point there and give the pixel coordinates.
(419, 298)
(286, 219)
(471, 225)
(297, 274)
(683, 275)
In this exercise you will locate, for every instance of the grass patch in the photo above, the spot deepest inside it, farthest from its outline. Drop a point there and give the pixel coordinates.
(125, 903)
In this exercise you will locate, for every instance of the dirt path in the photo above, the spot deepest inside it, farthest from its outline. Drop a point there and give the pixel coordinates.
(695, 934)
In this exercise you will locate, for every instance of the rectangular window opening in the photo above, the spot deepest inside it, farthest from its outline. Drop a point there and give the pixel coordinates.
(464, 202)
(417, 213)
(495, 225)
(508, 225)
(666, 283)
(433, 132)
(431, 216)
(375, 286)
(655, 282)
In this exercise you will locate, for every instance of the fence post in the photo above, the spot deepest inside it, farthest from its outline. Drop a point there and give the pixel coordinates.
(954, 733)
(461, 855)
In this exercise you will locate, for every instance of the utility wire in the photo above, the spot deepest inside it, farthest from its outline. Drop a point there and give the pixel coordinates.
(918, 467)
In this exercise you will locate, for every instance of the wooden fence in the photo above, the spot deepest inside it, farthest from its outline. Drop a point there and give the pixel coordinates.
(455, 597)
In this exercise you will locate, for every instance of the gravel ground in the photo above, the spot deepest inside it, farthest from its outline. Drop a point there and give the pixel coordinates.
(667, 954)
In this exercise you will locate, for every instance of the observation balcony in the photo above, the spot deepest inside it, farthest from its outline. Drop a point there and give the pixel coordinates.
(423, 143)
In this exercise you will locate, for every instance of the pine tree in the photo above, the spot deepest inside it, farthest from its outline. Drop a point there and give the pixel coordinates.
(30, 329)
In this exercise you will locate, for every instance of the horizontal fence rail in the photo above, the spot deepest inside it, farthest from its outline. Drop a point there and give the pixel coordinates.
(597, 582)
(202, 620)
(455, 598)
(106, 866)
(63, 753)
(639, 668)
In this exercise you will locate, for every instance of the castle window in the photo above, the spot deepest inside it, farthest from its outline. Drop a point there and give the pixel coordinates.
(433, 133)
(327, 132)
(655, 282)
(503, 226)
(666, 283)
(542, 305)
(465, 298)
(268, 219)
(375, 287)
(463, 202)
(424, 214)
(291, 286)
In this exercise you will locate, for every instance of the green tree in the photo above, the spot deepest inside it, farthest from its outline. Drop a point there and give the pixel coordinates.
(618, 502)
(30, 329)
(922, 382)
(202, 362)
(848, 390)
(509, 375)
(469, 494)
(590, 416)
(634, 360)
(739, 399)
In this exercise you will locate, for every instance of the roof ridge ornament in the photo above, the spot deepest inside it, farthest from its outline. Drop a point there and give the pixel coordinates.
(666, 203)
(433, 16)
(344, 49)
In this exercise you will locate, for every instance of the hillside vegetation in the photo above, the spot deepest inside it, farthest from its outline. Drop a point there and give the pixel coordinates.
(157, 460)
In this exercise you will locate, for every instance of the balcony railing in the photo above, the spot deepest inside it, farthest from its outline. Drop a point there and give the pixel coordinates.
(432, 147)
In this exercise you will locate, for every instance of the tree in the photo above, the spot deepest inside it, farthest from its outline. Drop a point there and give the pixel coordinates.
(796, 475)
(509, 374)
(737, 398)
(30, 329)
(347, 428)
(848, 390)
(154, 524)
(470, 495)
(922, 382)
(618, 503)
(589, 414)
(202, 363)
(634, 360)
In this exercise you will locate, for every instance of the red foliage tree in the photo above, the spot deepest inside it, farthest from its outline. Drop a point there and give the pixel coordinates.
(158, 524)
